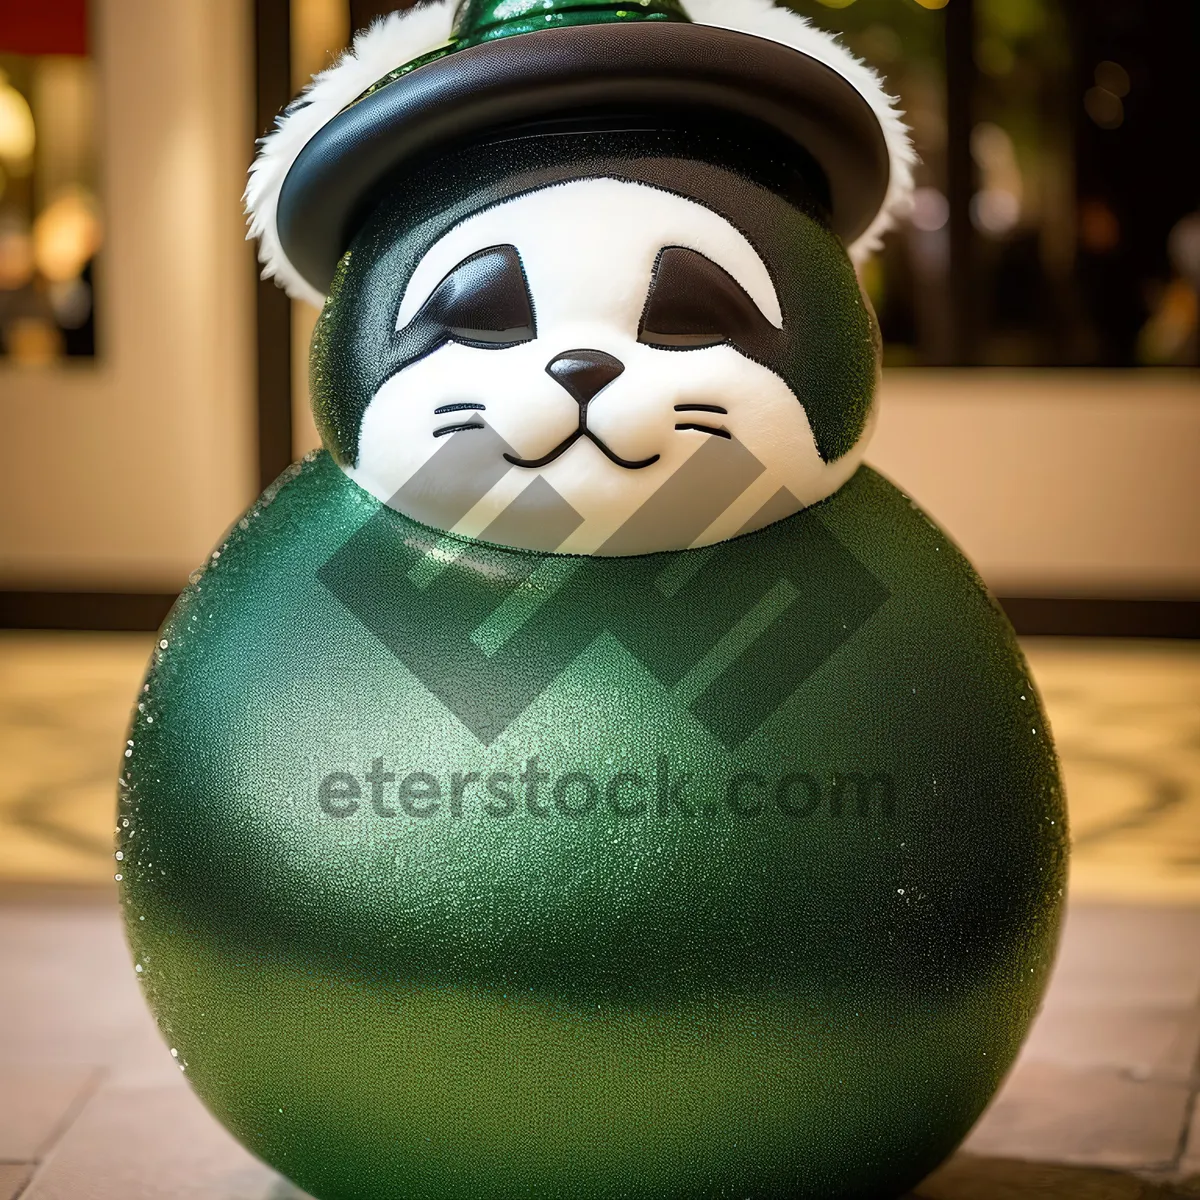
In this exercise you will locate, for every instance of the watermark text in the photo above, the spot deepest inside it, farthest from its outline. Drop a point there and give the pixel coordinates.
(660, 791)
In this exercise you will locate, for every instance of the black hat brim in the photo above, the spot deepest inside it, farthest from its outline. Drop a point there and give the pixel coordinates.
(557, 72)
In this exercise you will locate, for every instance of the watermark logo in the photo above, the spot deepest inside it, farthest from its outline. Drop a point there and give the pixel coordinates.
(731, 630)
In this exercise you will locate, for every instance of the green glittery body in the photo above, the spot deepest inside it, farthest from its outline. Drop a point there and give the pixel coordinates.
(696, 999)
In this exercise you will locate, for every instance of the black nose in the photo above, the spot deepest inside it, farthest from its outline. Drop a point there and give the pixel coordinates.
(585, 373)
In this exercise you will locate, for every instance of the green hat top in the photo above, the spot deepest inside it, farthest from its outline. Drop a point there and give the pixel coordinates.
(480, 21)
(440, 74)
(485, 20)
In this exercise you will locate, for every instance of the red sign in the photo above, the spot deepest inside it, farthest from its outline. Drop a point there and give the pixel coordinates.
(43, 26)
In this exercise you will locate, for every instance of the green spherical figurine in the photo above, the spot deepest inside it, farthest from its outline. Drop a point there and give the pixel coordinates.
(585, 778)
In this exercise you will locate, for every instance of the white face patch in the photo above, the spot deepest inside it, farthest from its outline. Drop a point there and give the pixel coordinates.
(586, 432)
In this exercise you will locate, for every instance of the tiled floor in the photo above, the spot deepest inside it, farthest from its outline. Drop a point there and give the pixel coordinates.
(1103, 1103)
(1126, 717)
(64, 705)
(93, 1108)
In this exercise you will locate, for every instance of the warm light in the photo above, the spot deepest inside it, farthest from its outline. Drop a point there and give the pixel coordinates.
(66, 235)
(995, 212)
(931, 210)
(33, 342)
(1113, 77)
(933, 3)
(1183, 247)
(992, 147)
(1166, 336)
(996, 209)
(16, 257)
(1104, 108)
(17, 133)
(1099, 229)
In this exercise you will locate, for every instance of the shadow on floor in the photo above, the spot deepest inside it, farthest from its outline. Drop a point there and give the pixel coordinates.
(967, 1177)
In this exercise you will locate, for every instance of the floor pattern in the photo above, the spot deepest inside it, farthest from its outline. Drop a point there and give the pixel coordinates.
(1102, 1105)
(1126, 717)
(64, 705)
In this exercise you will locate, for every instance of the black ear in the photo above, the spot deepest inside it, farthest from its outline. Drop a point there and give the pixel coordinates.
(483, 302)
(694, 303)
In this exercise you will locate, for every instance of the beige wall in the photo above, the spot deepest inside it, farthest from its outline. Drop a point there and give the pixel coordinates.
(123, 475)
(320, 31)
(1055, 483)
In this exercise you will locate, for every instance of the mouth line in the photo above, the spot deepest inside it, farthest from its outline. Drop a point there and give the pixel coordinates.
(437, 433)
(562, 448)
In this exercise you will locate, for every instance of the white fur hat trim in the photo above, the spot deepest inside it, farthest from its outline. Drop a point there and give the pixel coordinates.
(403, 36)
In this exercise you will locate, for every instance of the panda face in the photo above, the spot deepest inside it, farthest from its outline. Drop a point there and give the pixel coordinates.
(595, 383)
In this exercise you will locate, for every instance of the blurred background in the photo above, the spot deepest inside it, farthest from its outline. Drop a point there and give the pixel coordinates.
(1041, 315)
(1040, 307)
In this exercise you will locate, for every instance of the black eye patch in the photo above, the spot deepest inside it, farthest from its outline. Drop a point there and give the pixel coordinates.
(483, 302)
(695, 303)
